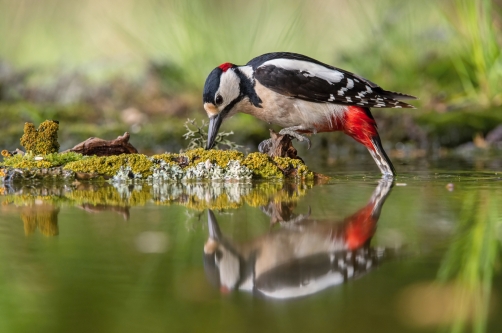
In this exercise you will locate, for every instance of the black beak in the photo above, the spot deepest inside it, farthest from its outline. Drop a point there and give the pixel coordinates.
(212, 225)
(214, 126)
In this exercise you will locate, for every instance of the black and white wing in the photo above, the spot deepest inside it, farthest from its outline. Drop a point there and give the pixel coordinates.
(302, 77)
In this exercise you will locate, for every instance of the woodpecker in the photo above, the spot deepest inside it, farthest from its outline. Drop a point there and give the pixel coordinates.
(302, 95)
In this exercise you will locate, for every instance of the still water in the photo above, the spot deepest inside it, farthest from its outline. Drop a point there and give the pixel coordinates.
(352, 254)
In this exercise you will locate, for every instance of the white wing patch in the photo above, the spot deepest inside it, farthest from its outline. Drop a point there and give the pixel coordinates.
(330, 75)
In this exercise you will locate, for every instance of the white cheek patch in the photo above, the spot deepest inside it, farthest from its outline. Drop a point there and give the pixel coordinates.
(229, 269)
(229, 87)
(330, 75)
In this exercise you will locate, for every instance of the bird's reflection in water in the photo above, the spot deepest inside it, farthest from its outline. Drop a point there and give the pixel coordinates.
(301, 258)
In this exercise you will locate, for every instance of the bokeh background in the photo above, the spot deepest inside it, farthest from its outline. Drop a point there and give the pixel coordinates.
(105, 67)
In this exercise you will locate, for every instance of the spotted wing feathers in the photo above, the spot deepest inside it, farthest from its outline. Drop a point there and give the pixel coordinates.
(321, 83)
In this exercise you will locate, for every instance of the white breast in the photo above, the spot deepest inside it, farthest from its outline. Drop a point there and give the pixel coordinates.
(289, 111)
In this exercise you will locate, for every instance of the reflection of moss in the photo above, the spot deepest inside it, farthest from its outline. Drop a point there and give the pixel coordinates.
(42, 141)
(44, 217)
(37, 211)
(219, 195)
(276, 192)
(262, 192)
(220, 202)
(109, 195)
(27, 199)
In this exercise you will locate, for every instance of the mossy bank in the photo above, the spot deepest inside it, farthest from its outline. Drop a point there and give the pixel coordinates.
(195, 164)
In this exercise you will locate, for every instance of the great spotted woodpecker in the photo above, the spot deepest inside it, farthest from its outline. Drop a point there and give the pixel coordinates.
(302, 95)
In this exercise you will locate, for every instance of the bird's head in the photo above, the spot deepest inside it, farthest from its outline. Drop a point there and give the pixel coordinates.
(222, 91)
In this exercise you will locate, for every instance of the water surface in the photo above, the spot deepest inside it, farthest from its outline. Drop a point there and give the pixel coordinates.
(355, 254)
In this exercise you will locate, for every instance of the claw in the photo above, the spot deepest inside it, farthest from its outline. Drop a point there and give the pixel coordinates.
(296, 135)
(309, 144)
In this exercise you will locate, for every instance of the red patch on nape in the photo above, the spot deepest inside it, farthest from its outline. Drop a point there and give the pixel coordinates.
(224, 67)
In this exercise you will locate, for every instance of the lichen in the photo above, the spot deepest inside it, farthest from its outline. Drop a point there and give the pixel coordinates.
(43, 140)
(166, 172)
(207, 170)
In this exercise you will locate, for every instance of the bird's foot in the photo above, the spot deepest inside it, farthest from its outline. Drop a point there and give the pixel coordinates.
(291, 132)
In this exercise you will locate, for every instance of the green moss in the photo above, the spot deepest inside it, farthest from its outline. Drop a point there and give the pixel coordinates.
(195, 156)
(167, 157)
(42, 141)
(220, 157)
(30, 161)
(110, 165)
(300, 169)
(263, 166)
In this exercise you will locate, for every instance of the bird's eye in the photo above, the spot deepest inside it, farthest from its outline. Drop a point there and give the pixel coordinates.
(218, 100)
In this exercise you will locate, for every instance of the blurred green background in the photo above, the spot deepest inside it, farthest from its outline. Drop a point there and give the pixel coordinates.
(105, 67)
